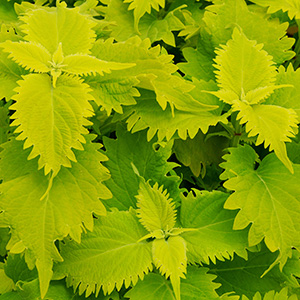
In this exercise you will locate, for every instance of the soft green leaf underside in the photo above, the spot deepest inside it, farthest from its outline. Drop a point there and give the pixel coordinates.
(66, 209)
(155, 209)
(108, 257)
(214, 237)
(198, 285)
(268, 199)
(51, 119)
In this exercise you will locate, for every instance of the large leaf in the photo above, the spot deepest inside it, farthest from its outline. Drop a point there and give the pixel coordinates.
(51, 119)
(291, 6)
(225, 15)
(67, 208)
(273, 126)
(244, 71)
(214, 237)
(147, 114)
(267, 198)
(169, 256)
(151, 164)
(198, 285)
(108, 257)
(155, 209)
(244, 277)
(51, 26)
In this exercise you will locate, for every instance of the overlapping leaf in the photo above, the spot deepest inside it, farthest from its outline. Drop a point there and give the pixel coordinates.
(198, 285)
(69, 204)
(140, 7)
(151, 164)
(226, 15)
(124, 24)
(108, 257)
(291, 6)
(205, 111)
(214, 237)
(246, 279)
(268, 199)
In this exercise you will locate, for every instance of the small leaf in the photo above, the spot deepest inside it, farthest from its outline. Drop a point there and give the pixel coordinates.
(169, 256)
(31, 56)
(155, 209)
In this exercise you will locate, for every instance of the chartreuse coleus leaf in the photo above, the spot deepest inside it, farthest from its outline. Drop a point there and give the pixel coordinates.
(156, 28)
(153, 70)
(291, 6)
(6, 283)
(147, 114)
(263, 200)
(51, 119)
(272, 295)
(198, 285)
(157, 214)
(244, 276)
(287, 97)
(213, 237)
(67, 208)
(246, 76)
(7, 13)
(226, 15)
(140, 7)
(107, 257)
(46, 49)
(151, 163)
(10, 72)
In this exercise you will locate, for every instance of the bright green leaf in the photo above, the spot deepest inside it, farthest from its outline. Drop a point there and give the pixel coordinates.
(51, 26)
(67, 209)
(242, 66)
(6, 283)
(151, 164)
(169, 256)
(140, 7)
(82, 64)
(198, 285)
(51, 119)
(214, 237)
(31, 56)
(107, 257)
(291, 6)
(243, 277)
(273, 126)
(226, 15)
(155, 209)
(147, 114)
(267, 198)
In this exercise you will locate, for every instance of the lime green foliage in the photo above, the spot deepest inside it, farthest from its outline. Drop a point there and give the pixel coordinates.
(195, 192)
(291, 6)
(262, 199)
(108, 257)
(66, 209)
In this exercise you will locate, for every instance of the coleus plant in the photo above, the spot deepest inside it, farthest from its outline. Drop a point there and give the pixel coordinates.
(195, 193)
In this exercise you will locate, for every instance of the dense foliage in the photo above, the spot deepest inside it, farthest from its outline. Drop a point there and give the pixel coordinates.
(149, 150)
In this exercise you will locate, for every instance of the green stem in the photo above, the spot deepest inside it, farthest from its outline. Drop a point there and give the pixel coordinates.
(237, 131)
